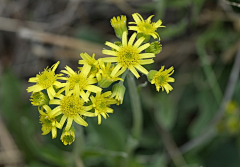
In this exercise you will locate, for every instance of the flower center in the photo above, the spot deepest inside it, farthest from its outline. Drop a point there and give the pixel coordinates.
(46, 121)
(101, 105)
(71, 106)
(46, 79)
(146, 28)
(161, 79)
(128, 56)
(77, 79)
(94, 69)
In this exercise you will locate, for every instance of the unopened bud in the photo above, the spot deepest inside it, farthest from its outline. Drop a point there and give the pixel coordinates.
(39, 99)
(155, 47)
(119, 25)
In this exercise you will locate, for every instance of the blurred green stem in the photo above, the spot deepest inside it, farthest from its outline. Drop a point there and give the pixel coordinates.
(136, 107)
(78, 146)
(211, 77)
(132, 141)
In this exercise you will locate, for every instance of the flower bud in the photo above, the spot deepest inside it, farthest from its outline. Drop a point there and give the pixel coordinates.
(68, 136)
(39, 99)
(155, 47)
(119, 25)
(105, 82)
(118, 92)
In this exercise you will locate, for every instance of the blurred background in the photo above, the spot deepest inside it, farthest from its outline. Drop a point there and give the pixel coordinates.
(197, 124)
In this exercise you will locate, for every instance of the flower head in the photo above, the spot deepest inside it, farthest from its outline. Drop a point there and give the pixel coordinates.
(46, 80)
(39, 99)
(104, 75)
(48, 123)
(101, 103)
(161, 78)
(129, 56)
(145, 26)
(119, 25)
(78, 82)
(73, 109)
(86, 59)
(68, 136)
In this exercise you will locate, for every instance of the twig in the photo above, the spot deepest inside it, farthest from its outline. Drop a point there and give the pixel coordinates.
(63, 41)
(232, 3)
(123, 5)
(210, 132)
(65, 17)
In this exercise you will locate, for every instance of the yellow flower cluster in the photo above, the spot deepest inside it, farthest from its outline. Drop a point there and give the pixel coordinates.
(74, 96)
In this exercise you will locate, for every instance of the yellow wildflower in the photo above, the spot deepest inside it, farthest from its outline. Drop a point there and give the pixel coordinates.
(46, 80)
(129, 56)
(48, 123)
(78, 82)
(104, 75)
(161, 78)
(72, 107)
(86, 59)
(101, 103)
(68, 136)
(145, 26)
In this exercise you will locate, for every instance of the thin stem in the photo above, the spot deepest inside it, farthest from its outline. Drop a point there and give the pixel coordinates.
(132, 141)
(211, 77)
(79, 145)
(124, 76)
(136, 107)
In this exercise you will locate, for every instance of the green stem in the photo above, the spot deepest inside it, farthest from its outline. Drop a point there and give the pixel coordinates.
(124, 76)
(136, 107)
(132, 141)
(78, 146)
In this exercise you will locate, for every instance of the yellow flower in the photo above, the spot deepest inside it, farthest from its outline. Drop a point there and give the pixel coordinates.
(68, 136)
(119, 25)
(48, 123)
(104, 75)
(46, 80)
(72, 107)
(101, 103)
(129, 56)
(78, 82)
(161, 78)
(145, 26)
(86, 59)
